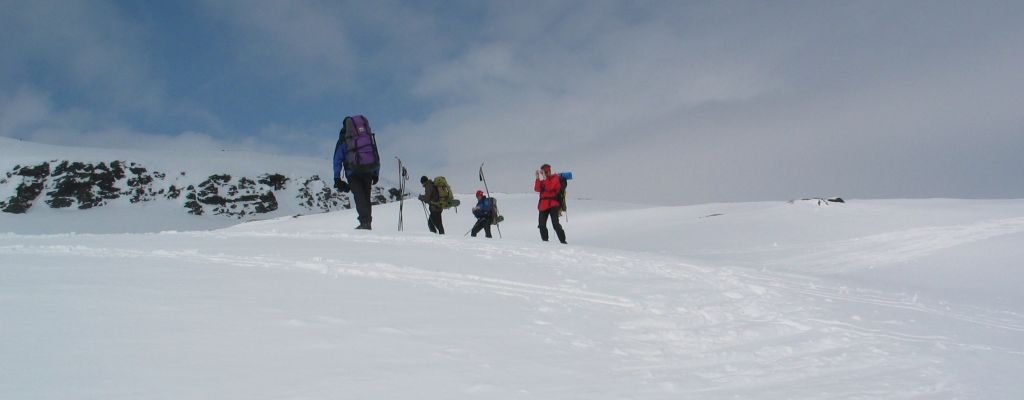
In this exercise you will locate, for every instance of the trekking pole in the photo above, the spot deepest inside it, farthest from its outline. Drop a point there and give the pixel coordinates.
(496, 214)
(402, 177)
(471, 229)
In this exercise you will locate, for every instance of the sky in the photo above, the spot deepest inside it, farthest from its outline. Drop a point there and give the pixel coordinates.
(657, 102)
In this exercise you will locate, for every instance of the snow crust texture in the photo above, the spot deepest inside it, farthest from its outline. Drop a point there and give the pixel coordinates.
(862, 300)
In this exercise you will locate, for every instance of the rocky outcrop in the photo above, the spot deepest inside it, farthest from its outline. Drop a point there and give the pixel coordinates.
(821, 201)
(85, 185)
(31, 181)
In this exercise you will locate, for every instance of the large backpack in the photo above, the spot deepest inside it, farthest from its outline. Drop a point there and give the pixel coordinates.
(496, 216)
(561, 193)
(362, 156)
(445, 198)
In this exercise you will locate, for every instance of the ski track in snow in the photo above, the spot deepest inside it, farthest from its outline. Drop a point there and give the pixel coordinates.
(730, 329)
(896, 247)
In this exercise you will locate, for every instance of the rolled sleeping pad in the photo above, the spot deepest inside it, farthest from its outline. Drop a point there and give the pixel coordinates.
(566, 175)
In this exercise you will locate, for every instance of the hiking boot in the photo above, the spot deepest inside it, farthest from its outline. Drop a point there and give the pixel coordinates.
(364, 226)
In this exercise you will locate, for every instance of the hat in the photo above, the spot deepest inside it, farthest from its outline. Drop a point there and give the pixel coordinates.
(479, 194)
(546, 168)
(424, 179)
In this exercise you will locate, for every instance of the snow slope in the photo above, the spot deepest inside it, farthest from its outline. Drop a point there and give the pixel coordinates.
(887, 299)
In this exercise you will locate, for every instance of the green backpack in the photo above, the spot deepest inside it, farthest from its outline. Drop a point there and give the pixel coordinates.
(445, 198)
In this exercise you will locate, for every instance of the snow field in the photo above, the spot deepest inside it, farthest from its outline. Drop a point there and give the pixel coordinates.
(801, 302)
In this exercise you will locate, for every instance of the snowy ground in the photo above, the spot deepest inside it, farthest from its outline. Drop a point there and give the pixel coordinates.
(865, 300)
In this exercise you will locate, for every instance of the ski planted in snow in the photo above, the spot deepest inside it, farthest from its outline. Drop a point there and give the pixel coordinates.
(403, 176)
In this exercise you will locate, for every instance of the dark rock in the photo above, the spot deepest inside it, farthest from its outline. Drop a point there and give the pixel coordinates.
(33, 182)
(192, 204)
(267, 203)
(81, 183)
(275, 181)
(173, 192)
(86, 185)
(213, 200)
(821, 201)
(40, 171)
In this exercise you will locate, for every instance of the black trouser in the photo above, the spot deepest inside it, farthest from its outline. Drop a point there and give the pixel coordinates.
(434, 222)
(360, 186)
(482, 223)
(543, 224)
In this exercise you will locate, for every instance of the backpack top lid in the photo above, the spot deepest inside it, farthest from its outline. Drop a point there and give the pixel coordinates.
(356, 125)
(361, 124)
(349, 126)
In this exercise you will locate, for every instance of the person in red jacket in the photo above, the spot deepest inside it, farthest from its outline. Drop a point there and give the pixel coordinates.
(548, 185)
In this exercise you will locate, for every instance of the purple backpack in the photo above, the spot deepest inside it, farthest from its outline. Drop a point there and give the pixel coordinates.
(361, 155)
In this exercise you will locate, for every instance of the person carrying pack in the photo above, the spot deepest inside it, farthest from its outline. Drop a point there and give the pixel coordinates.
(432, 196)
(484, 213)
(549, 186)
(356, 154)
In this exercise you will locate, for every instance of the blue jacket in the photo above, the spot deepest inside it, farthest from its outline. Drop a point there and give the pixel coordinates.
(340, 149)
(484, 207)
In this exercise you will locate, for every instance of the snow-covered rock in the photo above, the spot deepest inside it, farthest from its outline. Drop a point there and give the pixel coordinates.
(84, 183)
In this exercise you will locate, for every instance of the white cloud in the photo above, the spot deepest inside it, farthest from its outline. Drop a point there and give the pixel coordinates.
(296, 41)
(85, 47)
(30, 114)
(24, 109)
(520, 96)
(746, 104)
(716, 101)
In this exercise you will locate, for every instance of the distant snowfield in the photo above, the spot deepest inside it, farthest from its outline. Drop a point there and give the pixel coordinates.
(890, 299)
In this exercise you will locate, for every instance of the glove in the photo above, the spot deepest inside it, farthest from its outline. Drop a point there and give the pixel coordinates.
(373, 181)
(341, 185)
(422, 198)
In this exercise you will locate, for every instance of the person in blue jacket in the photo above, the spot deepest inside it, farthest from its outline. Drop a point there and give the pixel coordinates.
(360, 183)
(484, 213)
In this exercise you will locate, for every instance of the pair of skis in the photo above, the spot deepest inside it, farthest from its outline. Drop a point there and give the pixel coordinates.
(403, 176)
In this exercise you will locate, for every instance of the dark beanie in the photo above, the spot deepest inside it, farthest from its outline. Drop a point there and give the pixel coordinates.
(424, 179)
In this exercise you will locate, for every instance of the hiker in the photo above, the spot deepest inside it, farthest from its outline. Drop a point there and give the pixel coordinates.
(356, 153)
(548, 185)
(430, 196)
(484, 213)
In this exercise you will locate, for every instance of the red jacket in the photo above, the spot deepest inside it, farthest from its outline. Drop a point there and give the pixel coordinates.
(548, 190)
